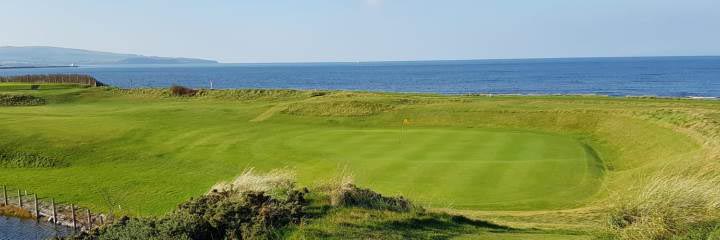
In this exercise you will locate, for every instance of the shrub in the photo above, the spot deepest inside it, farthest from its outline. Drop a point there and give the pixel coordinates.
(180, 91)
(218, 215)
(20, 100)
(352, 196)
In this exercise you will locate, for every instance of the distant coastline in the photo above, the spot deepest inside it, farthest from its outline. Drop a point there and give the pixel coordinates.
(54, 66)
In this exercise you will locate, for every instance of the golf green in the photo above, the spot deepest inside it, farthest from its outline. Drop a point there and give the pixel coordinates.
(460, 168)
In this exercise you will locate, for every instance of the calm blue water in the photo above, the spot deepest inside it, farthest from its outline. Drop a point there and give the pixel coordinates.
(661, 76)
(18, 229)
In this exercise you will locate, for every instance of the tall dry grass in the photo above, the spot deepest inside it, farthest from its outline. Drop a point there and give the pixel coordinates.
(667, 206)
(276, 183)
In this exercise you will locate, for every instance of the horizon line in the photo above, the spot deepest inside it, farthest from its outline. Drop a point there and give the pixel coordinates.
(470, 59)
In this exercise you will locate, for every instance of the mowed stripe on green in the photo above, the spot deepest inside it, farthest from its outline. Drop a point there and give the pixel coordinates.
(470, 168)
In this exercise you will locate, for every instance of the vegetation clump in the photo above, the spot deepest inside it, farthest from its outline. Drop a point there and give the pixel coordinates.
(350, 195)
(10, 159)
(180, 91)
(20, 100)
(278, 183)
(13, 211)
(218, 215)
(668, 207)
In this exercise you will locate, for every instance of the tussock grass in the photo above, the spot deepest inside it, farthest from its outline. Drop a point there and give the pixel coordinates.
(13, 211)
(276, 183)
(667, 206)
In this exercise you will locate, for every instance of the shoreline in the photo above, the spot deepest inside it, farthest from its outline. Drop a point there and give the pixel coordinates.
(26, 67)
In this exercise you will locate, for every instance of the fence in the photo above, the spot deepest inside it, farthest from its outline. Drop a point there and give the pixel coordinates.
(53, 79)
(58, 213)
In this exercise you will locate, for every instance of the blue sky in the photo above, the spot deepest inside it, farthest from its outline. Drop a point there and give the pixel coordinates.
(363, 30)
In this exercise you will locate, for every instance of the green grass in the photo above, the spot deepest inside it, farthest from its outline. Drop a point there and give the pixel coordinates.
(142, 152)
(445, 166)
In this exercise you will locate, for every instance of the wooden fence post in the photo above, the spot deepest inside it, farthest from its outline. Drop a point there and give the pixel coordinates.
(5, 195)
(37, 210)
(74, 222)
(89, 219)
(54, 213)
(20, 199)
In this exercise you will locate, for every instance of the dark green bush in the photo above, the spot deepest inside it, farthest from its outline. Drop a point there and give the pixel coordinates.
(180, 91)
(20, 100)
(353, 196)
(219, 215)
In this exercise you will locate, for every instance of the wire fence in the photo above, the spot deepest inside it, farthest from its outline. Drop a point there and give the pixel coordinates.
(47, 209)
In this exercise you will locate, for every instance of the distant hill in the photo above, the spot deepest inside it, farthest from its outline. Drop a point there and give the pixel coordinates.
(44, 56)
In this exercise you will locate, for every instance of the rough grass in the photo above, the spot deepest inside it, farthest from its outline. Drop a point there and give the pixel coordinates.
(667, 206)
(337, 108)
(12, 211)
(14, 159)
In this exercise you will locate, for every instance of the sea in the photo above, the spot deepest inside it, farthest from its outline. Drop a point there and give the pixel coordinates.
(629, 76)
(23, 229)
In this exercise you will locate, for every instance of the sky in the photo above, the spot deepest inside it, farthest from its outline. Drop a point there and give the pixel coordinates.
(245, 31)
